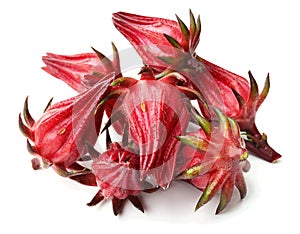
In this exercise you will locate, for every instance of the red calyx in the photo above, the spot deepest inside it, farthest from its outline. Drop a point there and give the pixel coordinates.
(154, 113)
(60, 135)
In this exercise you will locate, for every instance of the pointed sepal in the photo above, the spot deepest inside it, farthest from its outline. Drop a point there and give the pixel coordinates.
(226, 194)
(117, 205)
(264, 92)
(241, 101)
(241, 184)
(196, 38)
(203, 122)
(116, 61)
(213, 186)
(173, 42)
(195, 142)
(96, 199)
(135, 201)
(24, 129)
(253, 88)
(31, 149)
(223, 121)
(26, 114)
(106, 61)
(88, 179)
(185, 34)
(48, 104)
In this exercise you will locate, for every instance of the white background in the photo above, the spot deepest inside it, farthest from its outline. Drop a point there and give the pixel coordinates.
(239, 35)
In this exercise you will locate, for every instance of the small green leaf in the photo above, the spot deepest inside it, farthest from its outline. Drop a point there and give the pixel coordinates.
(185, 33)
(240, 184)
(198, 30)
(240, 99)
(173, 42)
(195, 142)
(211, 189)
(226, 194)
(264, 92)
(116, 61)
(104, 59)
(196, 37)
(203, 122)
(192, 24)
(190, 173)
(223, 119)
(235, 129)
(26, 114)
(48, 105)
(254, 88)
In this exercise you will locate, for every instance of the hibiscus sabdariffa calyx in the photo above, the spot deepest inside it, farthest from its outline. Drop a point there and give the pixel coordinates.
(182, 118)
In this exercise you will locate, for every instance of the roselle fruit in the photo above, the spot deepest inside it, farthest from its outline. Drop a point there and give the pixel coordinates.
(244, 104)
(213, 159)
(170, 45)
(154, 112)
(82, 71)
(117, 175)
(58, 138)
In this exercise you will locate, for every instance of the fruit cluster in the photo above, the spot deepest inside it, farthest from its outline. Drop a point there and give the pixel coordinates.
(184, 118)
